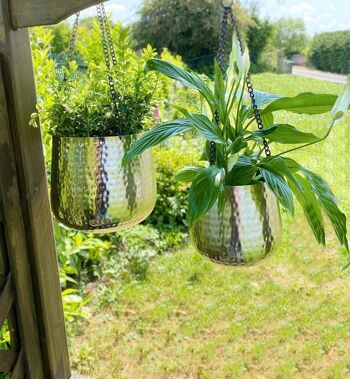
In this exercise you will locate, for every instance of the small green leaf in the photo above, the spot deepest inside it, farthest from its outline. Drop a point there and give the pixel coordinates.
(304, 103)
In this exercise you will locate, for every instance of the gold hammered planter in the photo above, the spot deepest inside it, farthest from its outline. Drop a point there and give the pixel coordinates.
(246, 232)
(91, 191)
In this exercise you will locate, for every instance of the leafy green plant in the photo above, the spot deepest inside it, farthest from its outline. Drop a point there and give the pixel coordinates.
(239, 152)
(82, 106)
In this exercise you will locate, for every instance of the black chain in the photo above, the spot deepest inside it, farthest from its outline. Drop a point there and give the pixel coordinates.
(249, 83)
(71, 46)
(73, 37)
(108, 53)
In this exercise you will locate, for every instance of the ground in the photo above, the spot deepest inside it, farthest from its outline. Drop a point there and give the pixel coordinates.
(285, 318)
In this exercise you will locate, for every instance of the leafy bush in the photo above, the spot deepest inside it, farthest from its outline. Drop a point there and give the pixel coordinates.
(170, 213)
(331, 52)
(82, 106)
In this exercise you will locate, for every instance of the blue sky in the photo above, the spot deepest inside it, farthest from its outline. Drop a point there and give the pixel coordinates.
(319, 15)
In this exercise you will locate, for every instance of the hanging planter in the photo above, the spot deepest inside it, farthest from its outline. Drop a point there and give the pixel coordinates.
(91, 191)
(247, 230)
(238, 184)
(94, 118)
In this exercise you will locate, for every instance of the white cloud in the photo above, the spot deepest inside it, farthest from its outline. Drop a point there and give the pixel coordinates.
(301, 9)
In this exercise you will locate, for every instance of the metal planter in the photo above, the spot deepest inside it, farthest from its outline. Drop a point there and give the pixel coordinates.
(247, 231)
(91, 191)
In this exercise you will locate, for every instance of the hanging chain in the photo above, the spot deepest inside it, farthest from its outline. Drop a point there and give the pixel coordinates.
(73, 38)
(248, 82)
(108, 53)
(71, 46)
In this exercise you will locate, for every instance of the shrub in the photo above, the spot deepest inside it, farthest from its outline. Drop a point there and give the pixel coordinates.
(170, 213)
(331, 52)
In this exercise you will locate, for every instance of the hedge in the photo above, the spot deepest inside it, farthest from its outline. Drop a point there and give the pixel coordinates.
(331, 52)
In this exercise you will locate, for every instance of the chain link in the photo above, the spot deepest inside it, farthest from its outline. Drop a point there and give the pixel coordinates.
(73, 37)
(249, 83)
(108, 53)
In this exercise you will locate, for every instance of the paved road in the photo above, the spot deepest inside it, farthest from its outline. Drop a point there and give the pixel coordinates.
(327, 76)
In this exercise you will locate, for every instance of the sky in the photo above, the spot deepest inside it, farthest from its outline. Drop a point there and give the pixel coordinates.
(318, 15)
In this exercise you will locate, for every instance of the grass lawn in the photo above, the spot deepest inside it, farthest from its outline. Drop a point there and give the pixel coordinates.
(285, 318)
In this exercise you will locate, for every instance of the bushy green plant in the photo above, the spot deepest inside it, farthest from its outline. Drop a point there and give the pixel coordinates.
(170, 213)
(238, 158)
(82, 106)
(331, 52)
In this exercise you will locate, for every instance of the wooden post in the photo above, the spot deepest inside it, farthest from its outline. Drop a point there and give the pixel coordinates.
(29, 280)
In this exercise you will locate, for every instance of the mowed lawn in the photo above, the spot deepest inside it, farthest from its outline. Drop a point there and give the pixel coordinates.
(288, 317)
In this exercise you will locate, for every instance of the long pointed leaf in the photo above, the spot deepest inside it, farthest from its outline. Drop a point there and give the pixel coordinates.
(157, 135)
(312, 210)
(304, 103)
(280, 188)
(285, 134)
(206, 128)
(329, 204)
(186, 78)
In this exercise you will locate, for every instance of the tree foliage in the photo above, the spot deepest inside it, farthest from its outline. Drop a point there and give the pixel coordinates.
(290, 36)
(331, 52)
(189, 28)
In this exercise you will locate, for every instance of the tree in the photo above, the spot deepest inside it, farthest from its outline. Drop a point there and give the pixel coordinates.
(258, 37)
(189, 28)
(290, 36)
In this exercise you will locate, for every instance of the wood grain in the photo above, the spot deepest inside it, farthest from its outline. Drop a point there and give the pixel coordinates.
(7, 360)
(25, 13)
(6, 300)
(35, 221)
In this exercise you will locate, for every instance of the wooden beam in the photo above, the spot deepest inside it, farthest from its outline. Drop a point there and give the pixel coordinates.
(7, 360)
(25, 13)
(6, 300)
(34, 201)
(15, 235)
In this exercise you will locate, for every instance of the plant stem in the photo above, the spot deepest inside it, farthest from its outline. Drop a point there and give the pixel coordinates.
(311, 143)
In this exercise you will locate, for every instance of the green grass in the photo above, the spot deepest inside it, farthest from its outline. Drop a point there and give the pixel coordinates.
(285, 318)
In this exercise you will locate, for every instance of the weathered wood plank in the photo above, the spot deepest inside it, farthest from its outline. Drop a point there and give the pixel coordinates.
(7, 360)
(26, 13)
(29, 158)
(6, 300)
(18, 371)
(16, 237)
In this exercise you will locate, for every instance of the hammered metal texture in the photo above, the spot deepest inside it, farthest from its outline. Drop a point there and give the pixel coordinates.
(91, 191)
(246, 232)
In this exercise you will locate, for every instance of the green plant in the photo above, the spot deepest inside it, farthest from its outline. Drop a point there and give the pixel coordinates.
(239, 149)
(82, 106)
(331, 52)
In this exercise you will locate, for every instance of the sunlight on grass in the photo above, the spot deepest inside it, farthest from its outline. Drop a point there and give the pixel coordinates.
(287, 317)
